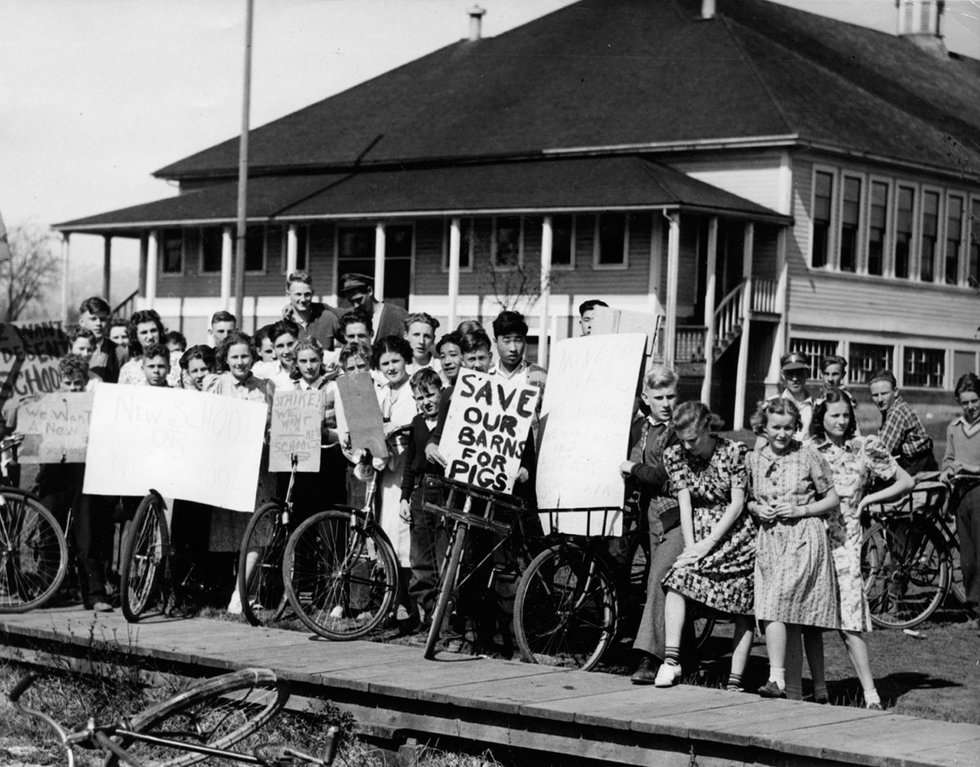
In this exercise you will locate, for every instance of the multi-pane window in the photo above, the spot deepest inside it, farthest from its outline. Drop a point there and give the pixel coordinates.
(903, 230)
(172, 251)
(562, 241)
(823, 193)
(507, 242)
(815, 350)
(929, 236)
(954, 238)
(211, 250)
(973, 273)
(865, 359)
(611, 237)
(877, 227)
(924, 367)
(850, 220)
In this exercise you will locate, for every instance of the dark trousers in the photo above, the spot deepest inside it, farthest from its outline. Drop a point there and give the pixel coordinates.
(968, 532)
(428, 548)
(665, 547)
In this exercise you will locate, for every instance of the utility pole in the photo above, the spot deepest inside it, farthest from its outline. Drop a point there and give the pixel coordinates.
(243, 171)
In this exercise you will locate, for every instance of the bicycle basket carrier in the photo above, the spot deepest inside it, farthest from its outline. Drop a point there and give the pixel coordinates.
(926, 497)
(474, 506)
(590, 523)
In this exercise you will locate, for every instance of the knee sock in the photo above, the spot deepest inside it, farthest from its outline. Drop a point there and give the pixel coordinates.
(777, 674)
(672, 656)
(734, 683)
(820, 691)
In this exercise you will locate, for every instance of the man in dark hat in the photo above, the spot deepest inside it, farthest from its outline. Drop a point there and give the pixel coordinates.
(388, 319)
(795, 368)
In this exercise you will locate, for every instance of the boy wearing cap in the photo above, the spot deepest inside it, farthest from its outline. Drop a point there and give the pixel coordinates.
(795, 373)
(388, 319)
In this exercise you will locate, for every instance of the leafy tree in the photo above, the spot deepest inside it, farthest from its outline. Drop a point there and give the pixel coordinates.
(32, 271)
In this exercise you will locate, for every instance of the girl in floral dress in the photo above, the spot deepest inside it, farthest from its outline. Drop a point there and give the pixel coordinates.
(716, 567)
(790, 489)
(855, 463)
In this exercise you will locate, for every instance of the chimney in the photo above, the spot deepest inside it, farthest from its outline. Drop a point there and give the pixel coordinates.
(476, 22)
(707, 9)
(918, 22)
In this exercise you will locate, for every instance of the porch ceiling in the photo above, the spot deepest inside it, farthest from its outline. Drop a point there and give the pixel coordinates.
(580, 184)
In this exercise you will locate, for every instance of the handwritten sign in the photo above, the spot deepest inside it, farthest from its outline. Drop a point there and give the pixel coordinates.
(296, 428)
(55, 427)
(585, 432)
(621, 322)
(188, 445)
(359, 414)
(486, 428)
(29, 355)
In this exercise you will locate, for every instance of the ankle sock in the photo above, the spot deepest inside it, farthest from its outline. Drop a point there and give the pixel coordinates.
(777, 674)
(734, 683)
(871, 696)
(672, 656)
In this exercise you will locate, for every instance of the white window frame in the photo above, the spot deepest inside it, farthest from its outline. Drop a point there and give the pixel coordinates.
(493, 246)
(862, 224)
(938, 254)
(569, 267)
(200, 250)
(596, 244)
(913, 266)
(464, 246)
(962, 265)
(886, 248)
(183, 253)
(944, 382)
(835, 196)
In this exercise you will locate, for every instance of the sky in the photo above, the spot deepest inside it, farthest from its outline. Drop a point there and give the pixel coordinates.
(96, 95)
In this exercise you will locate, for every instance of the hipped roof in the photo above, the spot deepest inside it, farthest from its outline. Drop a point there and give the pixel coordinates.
(609, 73)
(574, 184)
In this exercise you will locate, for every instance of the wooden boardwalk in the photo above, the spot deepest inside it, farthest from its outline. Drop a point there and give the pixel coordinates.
(394, 693)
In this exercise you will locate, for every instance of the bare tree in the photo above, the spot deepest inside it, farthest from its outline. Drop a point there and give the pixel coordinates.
(32, 270)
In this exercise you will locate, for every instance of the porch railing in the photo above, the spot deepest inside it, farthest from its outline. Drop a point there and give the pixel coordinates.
(764, 296)
(689, 343)
(127, 306)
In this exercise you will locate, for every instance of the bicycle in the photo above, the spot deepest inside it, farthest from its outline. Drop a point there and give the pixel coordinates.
(339, 570)
(503, 516)
(201, 722)
(910, 554)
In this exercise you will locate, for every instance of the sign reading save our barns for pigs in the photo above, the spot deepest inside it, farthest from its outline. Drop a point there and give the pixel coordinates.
(296, 430)
(486, 427)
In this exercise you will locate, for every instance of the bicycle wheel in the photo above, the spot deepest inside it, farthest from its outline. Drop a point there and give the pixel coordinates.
(340, 574)
(144, 557)
(260, 585)
(565, 609)
(217, 712)
(33, 552)
(905, 566)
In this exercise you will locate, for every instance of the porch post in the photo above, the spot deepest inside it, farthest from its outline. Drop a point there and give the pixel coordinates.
(291, 248)
(151, 268)
(709, 310)
(741, 377)
(547, 239)
(453, 288)
(673, 270)
(226, 267)
(106, 266)
(379, 261)
(782, 304)
(65, 248)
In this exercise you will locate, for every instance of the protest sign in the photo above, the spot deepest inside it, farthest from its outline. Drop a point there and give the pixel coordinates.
(29, 354)
(585, 430)
(296, 421)
(486, 428)
(55, 427)
(189, 445)
(608, 320)
(360, 414)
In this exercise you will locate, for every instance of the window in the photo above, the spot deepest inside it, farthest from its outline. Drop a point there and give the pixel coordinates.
(929, 236)
(815, 350)
(507, 243)
(211, 251)
(973, 273)
(924, 367)
(612, 234)
(954, 239)
(850, 223)
(865, 359)
(877, 227)
(255, 249)
(562, 241)
(467, 245)
(903, 231)
(823, 193)
(172, 251)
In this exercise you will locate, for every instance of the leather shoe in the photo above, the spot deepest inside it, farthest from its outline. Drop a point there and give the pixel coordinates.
(771, 690)
(645, 672)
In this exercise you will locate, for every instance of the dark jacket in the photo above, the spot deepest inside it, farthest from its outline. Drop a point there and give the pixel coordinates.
(648, 475)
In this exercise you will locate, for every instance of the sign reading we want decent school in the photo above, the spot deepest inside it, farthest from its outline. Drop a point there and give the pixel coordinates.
(29, 354)
(188, 445)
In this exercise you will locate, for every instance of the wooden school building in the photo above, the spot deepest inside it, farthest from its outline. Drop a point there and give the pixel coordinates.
(764, 178)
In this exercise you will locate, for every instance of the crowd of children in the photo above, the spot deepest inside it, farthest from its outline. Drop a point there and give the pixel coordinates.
(769, 535)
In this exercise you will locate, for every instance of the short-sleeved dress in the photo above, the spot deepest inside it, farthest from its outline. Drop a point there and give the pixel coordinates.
(795, 580)
(854, 465)
(724, 578)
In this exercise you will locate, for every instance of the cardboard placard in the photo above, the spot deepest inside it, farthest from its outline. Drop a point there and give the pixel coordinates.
(585, 427)
(55, 427)
(360, 411)
(29, 355)
(486, 427)
(607, 320)
(297, 418)
(189, 445)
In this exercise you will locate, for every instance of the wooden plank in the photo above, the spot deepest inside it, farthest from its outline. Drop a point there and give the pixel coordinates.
(313, 659)
(962, 754)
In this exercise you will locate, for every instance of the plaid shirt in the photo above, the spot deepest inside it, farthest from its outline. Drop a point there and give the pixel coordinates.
(902, 431)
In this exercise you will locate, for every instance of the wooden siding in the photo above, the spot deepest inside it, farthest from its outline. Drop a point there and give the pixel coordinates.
(752, 176)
